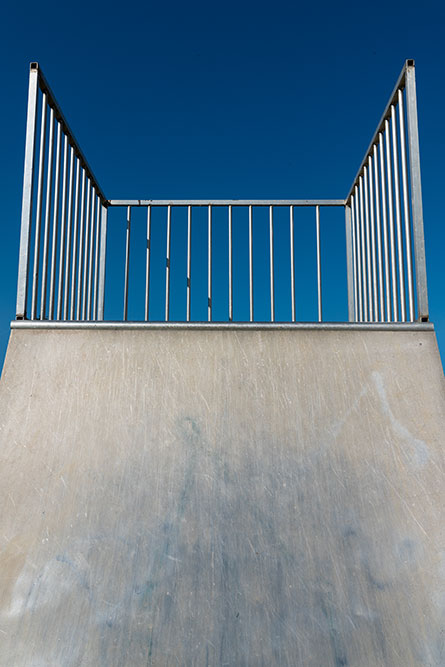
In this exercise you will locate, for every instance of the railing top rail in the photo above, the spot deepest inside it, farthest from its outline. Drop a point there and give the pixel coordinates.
(45, 88)
(400, 84)
(226, 202)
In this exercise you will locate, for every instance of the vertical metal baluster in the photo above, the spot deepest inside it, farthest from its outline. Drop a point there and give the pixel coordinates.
(359, 259)
(292, 261)
(317, 225)
(416, 192)
(398, 214)
(68, 237)
(209, 264)
(379, 233)
(49, 188)
(167, 266)
(363, 244)
(385, 231)
(230, 267)
(354, 246)
(251, 315)
(368, 244)
(272, 273)
(373, 249)
(55, 235)
(63, 223)
(102, 263)
(406, 214)
(354, 258)
(127, 262)
(27, 197)
(91, 254)
(80, 268)
(74, 249)
(189, 260)
(395, 305)
(96, 258)
(86, 250)
(147, 265)
(35, 275)
(349, 262)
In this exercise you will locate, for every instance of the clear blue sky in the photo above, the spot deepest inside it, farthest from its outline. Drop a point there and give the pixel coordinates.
(223, 100)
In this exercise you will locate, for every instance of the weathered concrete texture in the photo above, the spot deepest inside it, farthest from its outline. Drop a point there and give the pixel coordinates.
(222, 498)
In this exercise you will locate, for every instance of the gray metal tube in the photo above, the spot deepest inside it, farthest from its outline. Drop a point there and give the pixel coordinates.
(68, 237)
(416, 194)
(272, 287)
(209, 263)
(359, 258)
(147, 265)
(379, 234)
(398, 215)
(63, 223)
(292, 262)
(86, 250)
(55, 235)
(27, 197)
(80, 267)
(392, 245)
(349, 264)
(91, 253)
(189, 260)
(368, 245)
(354, 259)
(406, 215)
(385, 232)
(373, 243)
(230, 267)
(167, 266)
(227, 202)
(48, 201)
(35, 273)
(221, 326)
(74, 249)
(317, 225)
(127, 262)
(102, 263)
(96, 259)
(363, 246)
(250, 264)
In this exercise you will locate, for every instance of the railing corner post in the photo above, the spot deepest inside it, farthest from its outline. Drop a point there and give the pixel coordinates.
(102, 261)
(416, 193)
(349, 264)
(28, 179)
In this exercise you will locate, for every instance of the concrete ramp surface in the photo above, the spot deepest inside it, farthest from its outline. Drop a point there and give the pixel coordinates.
(222, 497)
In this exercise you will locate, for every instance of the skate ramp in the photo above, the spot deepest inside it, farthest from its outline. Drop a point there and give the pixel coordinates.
(222, 497)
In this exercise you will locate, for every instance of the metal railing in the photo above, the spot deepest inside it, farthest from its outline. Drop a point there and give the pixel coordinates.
(63, 245)
(228, 208)
(63, 199)
(385, 219)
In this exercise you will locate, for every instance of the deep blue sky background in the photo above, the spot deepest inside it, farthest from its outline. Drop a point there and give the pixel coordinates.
(223, 100)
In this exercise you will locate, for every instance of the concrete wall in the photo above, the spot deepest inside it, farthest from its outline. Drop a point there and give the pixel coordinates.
(222, 498)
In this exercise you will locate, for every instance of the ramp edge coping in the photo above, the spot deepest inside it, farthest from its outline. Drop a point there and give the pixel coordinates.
(312, 326)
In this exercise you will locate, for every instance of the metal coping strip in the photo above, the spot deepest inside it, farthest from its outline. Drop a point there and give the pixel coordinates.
(45, 88)
(393, 98)
(312, 326)
(226, 202)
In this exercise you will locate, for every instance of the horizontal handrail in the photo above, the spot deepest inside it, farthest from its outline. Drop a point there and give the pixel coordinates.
(52, 102)
(400, 84)
(226, 202)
